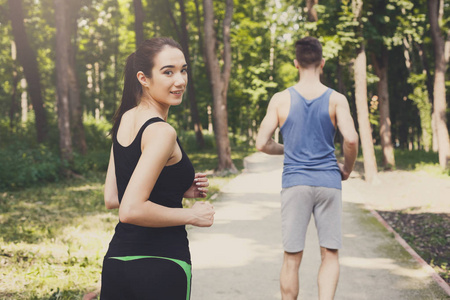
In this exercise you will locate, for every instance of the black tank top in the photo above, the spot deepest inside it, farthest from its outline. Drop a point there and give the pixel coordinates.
(172, 183)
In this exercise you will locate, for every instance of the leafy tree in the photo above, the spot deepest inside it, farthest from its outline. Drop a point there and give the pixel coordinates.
(183, 36)
(27, 57)
(62, 78)
(439, 83)
(381, 40)
(139, 18)
(360, 77)
(219, 78)
(76, 109)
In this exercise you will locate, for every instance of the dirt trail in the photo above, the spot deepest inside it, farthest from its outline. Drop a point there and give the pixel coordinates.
(400, 190)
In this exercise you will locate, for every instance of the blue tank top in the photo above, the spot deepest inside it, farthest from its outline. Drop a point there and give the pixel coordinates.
(308, 136)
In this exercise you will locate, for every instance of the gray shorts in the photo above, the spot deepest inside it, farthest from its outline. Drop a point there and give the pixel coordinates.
(297, 205)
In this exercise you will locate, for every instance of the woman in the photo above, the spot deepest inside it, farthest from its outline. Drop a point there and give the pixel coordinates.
(147, 177)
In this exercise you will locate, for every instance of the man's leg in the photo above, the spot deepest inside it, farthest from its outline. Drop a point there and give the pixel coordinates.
(328, 273)
(289, 282)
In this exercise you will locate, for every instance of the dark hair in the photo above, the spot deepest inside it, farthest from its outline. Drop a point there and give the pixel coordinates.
(308, 51)
(140, 60)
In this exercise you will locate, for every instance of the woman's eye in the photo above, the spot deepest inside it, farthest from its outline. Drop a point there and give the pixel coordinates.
(168, 72)
(184, 71)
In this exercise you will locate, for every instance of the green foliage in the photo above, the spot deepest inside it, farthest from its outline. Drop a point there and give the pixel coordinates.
(25, 163)
(411, 160)
(97, 133)
(420, 98)
(93, 161)
(262, 36)
(426, 233)
(189, 144)
(21, 166)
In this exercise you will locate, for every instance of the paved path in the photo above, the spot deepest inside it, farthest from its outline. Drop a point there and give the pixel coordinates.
(239, 258)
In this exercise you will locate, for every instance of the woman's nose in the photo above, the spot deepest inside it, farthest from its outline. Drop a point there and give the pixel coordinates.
(180, 79)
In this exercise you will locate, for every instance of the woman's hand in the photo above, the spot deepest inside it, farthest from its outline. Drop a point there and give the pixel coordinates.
(199, 187)
(203, 214)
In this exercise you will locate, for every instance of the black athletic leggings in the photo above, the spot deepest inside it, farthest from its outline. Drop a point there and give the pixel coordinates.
(145, 278)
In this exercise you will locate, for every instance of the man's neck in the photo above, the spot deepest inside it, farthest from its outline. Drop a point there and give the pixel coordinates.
(309, 84)
(309, 77)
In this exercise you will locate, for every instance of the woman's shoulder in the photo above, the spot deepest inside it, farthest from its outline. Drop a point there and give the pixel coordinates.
(161, 133)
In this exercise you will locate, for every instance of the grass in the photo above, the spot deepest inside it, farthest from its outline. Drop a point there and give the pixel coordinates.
(427, 233)
(53, 239)
(414, 160)
(54, 236)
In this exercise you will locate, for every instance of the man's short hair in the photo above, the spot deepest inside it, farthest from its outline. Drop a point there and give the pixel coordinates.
(308, 52)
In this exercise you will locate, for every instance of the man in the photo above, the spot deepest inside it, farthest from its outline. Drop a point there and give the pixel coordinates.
(308, 114)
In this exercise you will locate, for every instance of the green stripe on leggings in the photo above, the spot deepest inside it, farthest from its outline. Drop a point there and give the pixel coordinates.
(184, 265)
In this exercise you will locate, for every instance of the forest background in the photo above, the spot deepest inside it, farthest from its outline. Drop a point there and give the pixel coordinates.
(61, 66)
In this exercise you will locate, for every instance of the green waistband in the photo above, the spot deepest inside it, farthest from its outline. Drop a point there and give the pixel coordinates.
(184, 265)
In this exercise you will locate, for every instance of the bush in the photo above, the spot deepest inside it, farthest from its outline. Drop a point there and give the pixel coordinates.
(24, 162)
(189, 143)
(22, 166)
(96, 132)
(96, 160)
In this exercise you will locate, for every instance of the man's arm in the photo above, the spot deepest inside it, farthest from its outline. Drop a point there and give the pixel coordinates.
(348, 131)
(264, 140)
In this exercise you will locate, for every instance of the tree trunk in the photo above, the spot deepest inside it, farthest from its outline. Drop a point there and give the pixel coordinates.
(381, 69)
(76, 110)
(429, 85)
(311, 11)
(420, 92)
(184, 40)
(62, 78)
(360, 77)
(439, 84)
(365, 131)
(447, 47)
(14, 107)
(426, 67)
(219, 82)
(191, 87)
(139, 17)
(24, 101)
(27, 58)
(199, 28)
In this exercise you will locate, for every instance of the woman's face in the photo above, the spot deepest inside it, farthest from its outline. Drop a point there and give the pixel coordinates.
(169, 77)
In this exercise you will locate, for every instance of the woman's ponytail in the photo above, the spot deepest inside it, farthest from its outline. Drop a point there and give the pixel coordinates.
(132, 89)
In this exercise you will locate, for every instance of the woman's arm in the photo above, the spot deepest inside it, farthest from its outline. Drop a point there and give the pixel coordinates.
(158, 145)
(110, 192)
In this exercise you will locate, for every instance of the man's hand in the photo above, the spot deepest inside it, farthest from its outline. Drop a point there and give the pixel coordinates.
(344, 173)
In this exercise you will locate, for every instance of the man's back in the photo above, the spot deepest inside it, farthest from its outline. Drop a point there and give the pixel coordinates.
(308, 136)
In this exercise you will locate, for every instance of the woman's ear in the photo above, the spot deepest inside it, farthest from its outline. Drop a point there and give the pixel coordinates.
(142, 78)
(296, 64)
